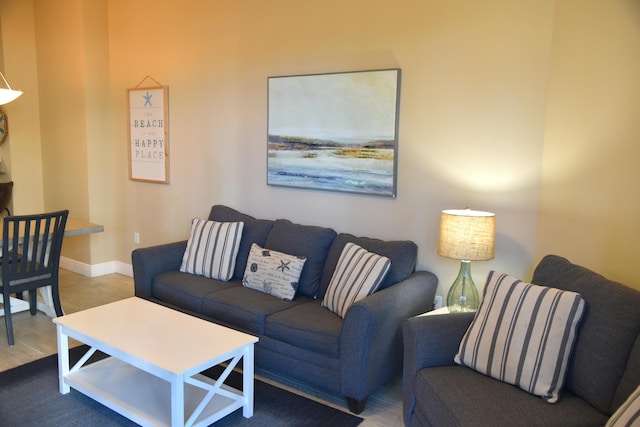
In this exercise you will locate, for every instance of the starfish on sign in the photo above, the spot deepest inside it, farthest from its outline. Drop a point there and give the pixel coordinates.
(147, 99)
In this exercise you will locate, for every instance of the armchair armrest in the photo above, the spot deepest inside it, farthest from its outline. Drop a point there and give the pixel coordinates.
(429, 341)
(148, 262)
(371, 340)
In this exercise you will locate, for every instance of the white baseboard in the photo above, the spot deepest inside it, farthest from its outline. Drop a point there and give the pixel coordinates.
(95, 270)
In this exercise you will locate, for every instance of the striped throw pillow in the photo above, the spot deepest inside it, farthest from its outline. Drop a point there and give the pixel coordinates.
(523, 334)
(212, 249)
(357, 274)
(628, 414)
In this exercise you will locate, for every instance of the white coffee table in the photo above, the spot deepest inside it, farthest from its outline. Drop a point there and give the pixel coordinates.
(153, 375)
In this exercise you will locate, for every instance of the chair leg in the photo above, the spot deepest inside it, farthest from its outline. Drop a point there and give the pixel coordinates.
(33, 301)
(55, 293)
(7, 318)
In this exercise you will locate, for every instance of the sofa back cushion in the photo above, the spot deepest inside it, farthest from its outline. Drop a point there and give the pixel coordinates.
(307, 241)
(607, 333)
(255, 231)
(402, 254)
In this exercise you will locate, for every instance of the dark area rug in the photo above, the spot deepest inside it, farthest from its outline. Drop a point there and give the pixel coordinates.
(29, 397)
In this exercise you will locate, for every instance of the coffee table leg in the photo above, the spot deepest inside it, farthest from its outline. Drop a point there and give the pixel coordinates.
(177, 401)
(247, 380)
(63, 359)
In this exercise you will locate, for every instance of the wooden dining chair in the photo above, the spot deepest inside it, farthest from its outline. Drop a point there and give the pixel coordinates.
(33, 260)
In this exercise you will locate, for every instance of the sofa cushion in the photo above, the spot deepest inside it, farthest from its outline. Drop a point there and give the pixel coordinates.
(523, 334)
(402, 254)
(245, 308)
(273, 272)
(255, 231)
(608, 331)
(457, 396)
(308, 241)
(186, 290)
(629, 413)
(357, 275)
(212, 248)
(308, 326)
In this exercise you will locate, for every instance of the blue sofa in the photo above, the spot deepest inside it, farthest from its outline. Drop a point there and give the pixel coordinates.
(604, 367)
(300, 338)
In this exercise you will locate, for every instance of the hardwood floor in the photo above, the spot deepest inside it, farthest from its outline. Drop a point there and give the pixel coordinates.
(35, 337)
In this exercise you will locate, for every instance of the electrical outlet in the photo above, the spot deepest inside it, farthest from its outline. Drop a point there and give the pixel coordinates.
(437, 302)
(136, 237)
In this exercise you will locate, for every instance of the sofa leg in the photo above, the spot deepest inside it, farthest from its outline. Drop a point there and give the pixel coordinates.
(356, 406)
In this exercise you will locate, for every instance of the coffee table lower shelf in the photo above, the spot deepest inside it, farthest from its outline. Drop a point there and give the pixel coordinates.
(145, 398)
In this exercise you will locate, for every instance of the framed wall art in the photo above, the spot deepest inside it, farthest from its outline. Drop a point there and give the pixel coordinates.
(334, 131)
(148, 134)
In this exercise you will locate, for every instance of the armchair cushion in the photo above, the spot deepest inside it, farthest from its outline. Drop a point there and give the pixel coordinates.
(212, 249)
(458, 396)
(523, 334)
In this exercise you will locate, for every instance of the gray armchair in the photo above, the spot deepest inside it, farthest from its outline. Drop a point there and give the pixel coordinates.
(604, 367)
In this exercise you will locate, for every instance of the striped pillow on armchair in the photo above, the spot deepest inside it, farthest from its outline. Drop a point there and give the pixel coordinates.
(523, 334)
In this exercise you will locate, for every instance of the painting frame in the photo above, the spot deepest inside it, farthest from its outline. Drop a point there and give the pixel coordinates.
(335, 131)
(148, 144)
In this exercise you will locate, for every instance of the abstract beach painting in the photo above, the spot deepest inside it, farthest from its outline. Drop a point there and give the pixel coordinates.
(335, 131)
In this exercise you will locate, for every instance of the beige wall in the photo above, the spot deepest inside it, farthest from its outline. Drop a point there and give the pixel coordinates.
(63, 112)
(472, 112)
(22, 151)
(590, 195)
(475, 85)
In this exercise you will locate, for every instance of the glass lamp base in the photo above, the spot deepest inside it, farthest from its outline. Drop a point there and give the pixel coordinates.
(463, 295)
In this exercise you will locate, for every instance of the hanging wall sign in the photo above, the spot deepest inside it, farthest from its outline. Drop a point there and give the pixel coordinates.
(149, 134)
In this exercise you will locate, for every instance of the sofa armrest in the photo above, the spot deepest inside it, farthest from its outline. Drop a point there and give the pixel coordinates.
(148, 262)
(371, 340)
(429, 341)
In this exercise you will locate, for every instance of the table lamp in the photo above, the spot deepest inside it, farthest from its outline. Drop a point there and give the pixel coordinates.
(466, 235)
